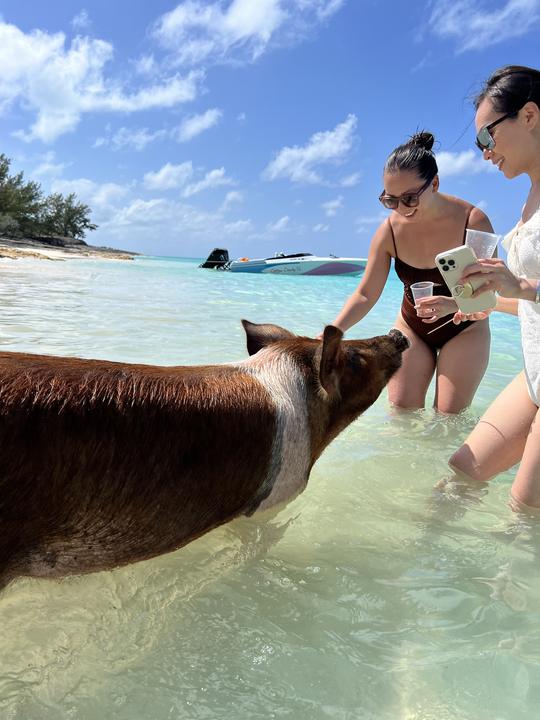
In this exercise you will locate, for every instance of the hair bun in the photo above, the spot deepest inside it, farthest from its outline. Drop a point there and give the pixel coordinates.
(422, 139)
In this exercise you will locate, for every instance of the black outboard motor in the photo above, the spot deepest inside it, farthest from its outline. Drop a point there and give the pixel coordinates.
(218, 259)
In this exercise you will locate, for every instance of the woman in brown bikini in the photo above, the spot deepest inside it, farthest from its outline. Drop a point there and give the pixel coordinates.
(424, 222)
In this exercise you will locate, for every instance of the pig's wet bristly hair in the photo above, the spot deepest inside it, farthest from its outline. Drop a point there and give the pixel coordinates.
(510, 87)
(416, 155)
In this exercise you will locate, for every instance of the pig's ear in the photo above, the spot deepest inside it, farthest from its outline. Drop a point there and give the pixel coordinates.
(259, 336)
(330, 359)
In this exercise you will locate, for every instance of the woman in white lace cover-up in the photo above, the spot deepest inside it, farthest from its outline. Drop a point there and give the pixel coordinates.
(508, 125)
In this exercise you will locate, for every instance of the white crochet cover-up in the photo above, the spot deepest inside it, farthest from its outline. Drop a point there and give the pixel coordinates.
(523, 247)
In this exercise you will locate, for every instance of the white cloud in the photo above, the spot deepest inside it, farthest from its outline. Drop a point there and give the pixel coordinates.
(475, 26)
(426, 61)
(132, 138)
(466, 162)
(181, 227)
(214, 178)
(91, 192)
(59, 84)
(321, 227)
(48, 166)
(232, 197)
(139, 138)
(198, 31)
(238, 227)
(125, 221)
(332, 206)
(350, 180)
(146, 65)
(170, 92)
(298, 163)
(197, 124)
(142, 212)
(107, 194)
(205, 32)
(101, 198)
(81, 21)
(326, 8)
(281, 225)
(169, 176)
(366, 223)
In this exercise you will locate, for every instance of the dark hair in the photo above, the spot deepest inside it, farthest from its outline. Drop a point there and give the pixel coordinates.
(415, 155)
(510, 87)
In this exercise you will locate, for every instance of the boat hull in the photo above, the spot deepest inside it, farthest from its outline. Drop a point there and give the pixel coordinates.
(301, 266)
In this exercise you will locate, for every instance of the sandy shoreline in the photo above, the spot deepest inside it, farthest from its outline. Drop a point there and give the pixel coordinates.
(14, 249)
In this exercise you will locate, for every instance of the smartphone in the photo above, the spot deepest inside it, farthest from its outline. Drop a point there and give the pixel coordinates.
(451, 265)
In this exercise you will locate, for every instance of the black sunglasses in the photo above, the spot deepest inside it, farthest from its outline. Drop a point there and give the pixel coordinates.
(409, 199)
(484, 139)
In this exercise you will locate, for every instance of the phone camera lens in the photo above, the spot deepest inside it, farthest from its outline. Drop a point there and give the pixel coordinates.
(451, 262)
(442, 261)
(445, 268)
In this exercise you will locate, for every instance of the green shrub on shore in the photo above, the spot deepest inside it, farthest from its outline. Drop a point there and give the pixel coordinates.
(26, 212)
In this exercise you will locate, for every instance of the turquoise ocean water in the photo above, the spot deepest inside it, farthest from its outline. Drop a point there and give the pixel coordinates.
(369, 597)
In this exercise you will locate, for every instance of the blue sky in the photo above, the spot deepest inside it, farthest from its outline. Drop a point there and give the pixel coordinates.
(256, 125)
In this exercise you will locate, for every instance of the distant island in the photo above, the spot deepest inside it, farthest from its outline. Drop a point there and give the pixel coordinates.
(48, 227)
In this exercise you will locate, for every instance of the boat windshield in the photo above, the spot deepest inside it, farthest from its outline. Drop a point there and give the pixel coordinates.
(280, 256)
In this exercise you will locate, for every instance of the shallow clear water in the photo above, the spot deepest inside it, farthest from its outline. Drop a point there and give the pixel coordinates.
(370, 596)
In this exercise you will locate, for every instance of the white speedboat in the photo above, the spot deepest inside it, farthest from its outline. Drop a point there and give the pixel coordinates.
(295, 264)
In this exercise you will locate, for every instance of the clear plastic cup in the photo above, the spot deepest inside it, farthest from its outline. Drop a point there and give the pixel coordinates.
(482, 244)
(422, 289)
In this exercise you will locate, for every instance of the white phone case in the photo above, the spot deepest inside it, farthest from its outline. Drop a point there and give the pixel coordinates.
(451, 265)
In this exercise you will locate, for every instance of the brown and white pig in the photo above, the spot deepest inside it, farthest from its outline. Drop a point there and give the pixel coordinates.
(104, 463)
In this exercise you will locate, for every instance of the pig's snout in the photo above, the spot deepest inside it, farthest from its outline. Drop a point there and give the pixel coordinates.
(401, 341)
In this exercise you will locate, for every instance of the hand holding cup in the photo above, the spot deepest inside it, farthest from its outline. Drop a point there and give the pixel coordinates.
(430, 308)
(422, 290)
